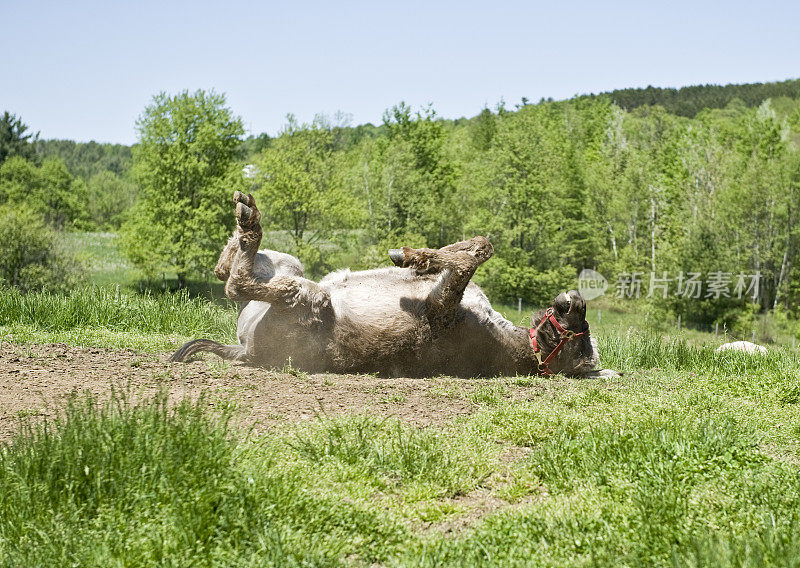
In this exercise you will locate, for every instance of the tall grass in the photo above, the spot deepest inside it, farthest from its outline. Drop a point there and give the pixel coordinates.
(97, 307)
(646, 350)
(144, 484)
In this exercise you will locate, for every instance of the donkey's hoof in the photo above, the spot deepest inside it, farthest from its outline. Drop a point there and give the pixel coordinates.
(247, 217)
(397, 257)
(246, 198)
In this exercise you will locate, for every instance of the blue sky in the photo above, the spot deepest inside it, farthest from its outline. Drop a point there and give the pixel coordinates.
(86, 70)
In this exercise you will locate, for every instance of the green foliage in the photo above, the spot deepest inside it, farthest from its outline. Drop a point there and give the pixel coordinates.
(32, 255)
(530, 196)
(689, 101)
(704, 179)
(509, 280)
(185, 166)
(87, 159)
(109, 199)
(13, 140)
(302, 190)
(557, 187)
(252, 146)
(50, 190)
(408, 181)
(483, 130)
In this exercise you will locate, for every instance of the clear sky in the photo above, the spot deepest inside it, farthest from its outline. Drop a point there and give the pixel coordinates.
(85, 70)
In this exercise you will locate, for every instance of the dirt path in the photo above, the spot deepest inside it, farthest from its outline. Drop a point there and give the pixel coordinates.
(36, 379)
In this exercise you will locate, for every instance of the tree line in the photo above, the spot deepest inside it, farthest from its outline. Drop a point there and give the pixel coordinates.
(689, 101)
(557, 186)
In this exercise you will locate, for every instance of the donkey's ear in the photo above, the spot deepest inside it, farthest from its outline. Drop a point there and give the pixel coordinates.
(562, 303)
(578, 305)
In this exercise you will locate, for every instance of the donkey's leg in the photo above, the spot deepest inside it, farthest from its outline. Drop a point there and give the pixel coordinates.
(223, 268)
(478, 247)
(280, 291)
(456, 264)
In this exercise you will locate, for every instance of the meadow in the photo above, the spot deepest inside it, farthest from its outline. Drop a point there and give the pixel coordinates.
(690, 459)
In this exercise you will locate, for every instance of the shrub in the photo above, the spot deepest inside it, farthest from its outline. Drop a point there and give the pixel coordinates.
(506, 281)
(32, 256)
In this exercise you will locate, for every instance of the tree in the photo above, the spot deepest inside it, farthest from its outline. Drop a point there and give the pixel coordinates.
(410, 182)
(13, 140)
(32, 256)
(483, 129)
(530, 197)
(760, 201)
(63, 197)
(303, 191)
(185, 166)
(50, 190)
(86, 159)
(109, 196)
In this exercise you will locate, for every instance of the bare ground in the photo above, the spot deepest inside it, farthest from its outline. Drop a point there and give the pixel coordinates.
(35, 381)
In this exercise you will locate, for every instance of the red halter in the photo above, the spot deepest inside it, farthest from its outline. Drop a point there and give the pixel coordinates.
(566, 335)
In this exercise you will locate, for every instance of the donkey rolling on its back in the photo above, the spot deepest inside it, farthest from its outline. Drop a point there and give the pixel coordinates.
(421, 317)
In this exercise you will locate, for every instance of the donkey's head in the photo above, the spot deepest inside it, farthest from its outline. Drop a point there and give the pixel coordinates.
(563, 338)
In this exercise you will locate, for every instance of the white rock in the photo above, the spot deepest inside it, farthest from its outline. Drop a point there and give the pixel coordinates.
(743, 346)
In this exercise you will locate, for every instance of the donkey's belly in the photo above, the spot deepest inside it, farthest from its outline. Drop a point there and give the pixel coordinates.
(273, 338)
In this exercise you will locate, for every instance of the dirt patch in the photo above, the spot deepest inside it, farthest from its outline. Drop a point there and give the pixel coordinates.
(477, 505)
(36, 379)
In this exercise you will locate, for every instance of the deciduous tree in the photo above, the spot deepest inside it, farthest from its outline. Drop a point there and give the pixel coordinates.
(302, 189)
(186, 167)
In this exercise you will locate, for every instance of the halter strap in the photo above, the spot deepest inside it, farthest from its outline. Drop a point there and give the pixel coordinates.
(565, 334)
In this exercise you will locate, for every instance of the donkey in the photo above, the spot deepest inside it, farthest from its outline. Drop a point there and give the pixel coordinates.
(421, 317)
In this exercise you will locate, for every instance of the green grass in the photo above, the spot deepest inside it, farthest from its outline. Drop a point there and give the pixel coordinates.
(99, 253)
(129, 484)
(370, 454)
(105, 317)
(691, 459)
(657, 492)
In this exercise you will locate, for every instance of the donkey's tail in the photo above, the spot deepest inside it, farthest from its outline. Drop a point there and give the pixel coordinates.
(185, 353)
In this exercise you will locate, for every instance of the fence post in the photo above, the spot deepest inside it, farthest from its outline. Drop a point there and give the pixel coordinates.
(679, 322)
(716, 329)
(519, 305)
